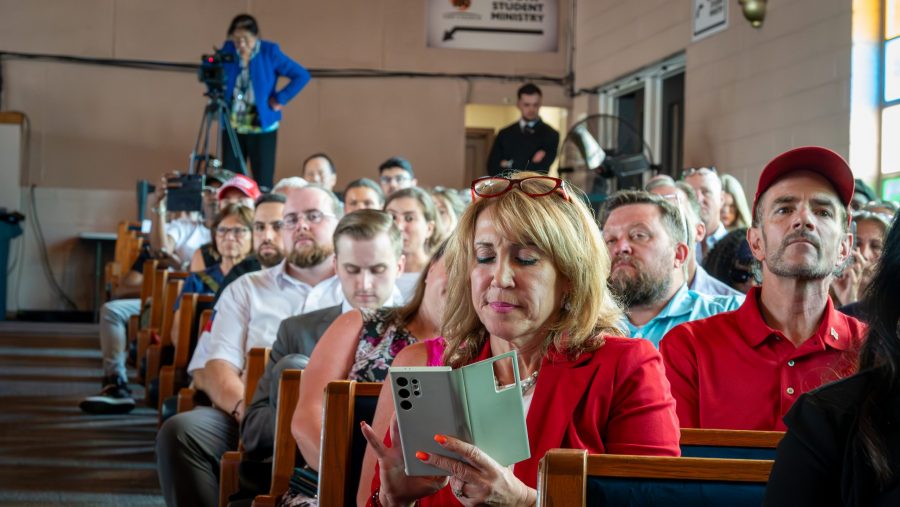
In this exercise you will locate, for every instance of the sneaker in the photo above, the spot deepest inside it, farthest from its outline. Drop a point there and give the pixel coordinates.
(114, 398)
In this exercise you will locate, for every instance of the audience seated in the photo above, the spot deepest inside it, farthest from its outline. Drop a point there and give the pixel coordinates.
(526, 272)
(318, 169)
(416, 216)
(708, 188)
(190, 444)
(362, 194)
(730, 261)
(232, 241)
(648, 246)
(449, 207)
(368, 259)
(870, 230)
(735, 212)
(396, 173)
(361, 345)
(684, 197)
(744, 369)
(842, 444)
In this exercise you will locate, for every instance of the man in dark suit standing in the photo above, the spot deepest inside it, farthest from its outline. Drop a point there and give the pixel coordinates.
(527, 144)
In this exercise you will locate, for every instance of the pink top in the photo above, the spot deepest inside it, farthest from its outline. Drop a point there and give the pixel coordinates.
(435, 348)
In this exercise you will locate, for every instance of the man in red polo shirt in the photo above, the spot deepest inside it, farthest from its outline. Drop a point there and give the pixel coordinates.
(744, 369)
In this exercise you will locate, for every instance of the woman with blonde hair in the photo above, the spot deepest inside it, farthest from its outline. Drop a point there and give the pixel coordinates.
(735, 213)
(527, 271)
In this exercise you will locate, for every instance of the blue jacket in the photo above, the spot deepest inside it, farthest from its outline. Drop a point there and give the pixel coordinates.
(265, 68)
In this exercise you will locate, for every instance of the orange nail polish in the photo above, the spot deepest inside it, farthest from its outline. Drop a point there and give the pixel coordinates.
(422, 455)
(441, 439)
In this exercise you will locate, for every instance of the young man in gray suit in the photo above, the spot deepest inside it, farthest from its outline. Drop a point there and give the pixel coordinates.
(368, 259)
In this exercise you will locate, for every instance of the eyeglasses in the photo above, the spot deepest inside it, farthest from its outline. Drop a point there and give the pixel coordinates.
(533, 186)
(238, 232)
(694, 170)
(313, 216)
(397, 178)
(262, 226)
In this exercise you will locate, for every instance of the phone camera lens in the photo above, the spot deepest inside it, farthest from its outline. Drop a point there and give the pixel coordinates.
(403, 393)
(402, 382)
(405, 405)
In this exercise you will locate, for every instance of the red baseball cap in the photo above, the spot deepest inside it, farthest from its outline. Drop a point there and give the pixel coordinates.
(817, 159)
(240, 182)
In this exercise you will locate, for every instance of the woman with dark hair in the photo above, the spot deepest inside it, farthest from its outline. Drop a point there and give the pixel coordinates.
(842, 447)
(730, 261)
(255, 104)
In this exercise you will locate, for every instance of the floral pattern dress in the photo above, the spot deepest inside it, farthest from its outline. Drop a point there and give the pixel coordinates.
(380, 341)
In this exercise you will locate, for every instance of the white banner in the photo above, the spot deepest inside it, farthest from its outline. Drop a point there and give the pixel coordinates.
(710, 16)
(500, 25)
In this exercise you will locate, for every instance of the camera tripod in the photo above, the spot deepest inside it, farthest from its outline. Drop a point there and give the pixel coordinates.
(217, 112)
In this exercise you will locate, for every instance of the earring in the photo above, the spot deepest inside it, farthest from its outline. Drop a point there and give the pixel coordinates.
(566, 306)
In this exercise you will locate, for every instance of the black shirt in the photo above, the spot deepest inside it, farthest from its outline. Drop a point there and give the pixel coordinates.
(820, 461)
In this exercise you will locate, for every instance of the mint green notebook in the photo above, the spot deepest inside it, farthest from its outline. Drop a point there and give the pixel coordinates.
(464, 403)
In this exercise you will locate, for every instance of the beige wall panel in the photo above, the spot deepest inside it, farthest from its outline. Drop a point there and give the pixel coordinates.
(172, 30)
(345, 34)
(80, 28)
(110, 127)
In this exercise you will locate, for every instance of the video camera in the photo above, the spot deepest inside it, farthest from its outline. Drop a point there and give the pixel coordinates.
(212, 70)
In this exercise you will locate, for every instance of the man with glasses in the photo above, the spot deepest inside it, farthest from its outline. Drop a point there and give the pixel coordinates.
(248, 313)
(745, 369)
(396, 173)
(682, 195)
(708, 188)
(648, 246)
(527, 145)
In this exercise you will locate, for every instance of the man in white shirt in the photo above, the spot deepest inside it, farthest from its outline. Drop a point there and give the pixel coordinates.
(708, 187)
(248, 314)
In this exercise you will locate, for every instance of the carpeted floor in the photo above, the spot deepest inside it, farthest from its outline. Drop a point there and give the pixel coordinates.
(50, 452)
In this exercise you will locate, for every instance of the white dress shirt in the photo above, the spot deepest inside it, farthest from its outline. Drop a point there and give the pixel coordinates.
(252, 307)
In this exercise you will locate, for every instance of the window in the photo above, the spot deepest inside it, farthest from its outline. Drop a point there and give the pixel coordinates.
(652, 101)
(890, 112)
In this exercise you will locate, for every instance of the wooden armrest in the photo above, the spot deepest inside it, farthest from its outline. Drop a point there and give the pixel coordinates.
(153, 355)
(186, 399)
(229, 480)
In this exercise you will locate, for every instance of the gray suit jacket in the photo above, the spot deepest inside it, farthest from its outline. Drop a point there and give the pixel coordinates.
(296, 335)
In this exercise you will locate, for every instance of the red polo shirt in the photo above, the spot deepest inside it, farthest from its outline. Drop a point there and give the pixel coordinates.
(733, 371)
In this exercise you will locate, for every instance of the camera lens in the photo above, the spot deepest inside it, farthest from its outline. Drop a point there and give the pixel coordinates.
(403, 393)
(405, 405)
(402, 382)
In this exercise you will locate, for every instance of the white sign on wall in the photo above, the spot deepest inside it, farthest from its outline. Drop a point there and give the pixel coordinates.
(710, 16)
(500, 25)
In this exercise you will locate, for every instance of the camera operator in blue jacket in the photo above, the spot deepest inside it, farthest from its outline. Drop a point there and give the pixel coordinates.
(250, 80)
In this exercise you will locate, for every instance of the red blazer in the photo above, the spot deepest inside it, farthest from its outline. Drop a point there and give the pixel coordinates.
(613, 400)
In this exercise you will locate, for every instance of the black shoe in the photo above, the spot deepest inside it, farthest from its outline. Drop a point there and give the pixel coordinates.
(114, 398)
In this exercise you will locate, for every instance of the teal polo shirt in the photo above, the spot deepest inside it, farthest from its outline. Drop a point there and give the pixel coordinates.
(685, 306)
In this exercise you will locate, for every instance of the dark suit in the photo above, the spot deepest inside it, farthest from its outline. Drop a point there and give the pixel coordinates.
(514, 143)
(297, 336)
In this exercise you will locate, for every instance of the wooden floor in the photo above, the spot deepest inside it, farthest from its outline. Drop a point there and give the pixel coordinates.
(50, 452)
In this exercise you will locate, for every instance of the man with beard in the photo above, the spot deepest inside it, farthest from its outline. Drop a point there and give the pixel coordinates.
(189, 445)
(647, 243)
(744, 369)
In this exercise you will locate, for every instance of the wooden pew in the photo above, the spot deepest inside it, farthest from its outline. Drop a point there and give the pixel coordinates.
(186, 328)
(257, 359)
(134, 322)
(572, 477)
(286, 455)
(347, 402)
(186, 394)
(731, 444)
(155, 351)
